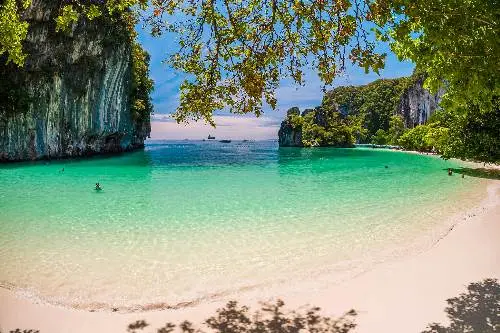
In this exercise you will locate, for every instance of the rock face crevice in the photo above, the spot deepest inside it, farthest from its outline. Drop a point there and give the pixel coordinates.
(417, 104)
(72, 97)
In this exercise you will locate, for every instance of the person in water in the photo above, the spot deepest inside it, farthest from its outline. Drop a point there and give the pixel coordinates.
(98, 187)
(450, 173)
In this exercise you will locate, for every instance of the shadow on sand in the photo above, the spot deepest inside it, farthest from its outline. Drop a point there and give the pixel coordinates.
(475, 311)
(478, 172)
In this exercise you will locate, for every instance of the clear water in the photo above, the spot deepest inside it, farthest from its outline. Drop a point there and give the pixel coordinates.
(182, 221)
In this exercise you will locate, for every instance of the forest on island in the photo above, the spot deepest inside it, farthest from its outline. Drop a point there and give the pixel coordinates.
(370, 114)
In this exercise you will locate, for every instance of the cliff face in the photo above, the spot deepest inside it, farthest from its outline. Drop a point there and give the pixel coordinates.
(288, 134)
(417, 104)
(377, 102)
(72, 97)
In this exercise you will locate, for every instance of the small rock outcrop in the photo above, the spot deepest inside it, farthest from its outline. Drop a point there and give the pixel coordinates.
(288, 134)
(72, 97)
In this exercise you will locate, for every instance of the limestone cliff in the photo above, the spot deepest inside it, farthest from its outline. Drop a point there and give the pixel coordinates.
(417, 104)
(376, 102)
(72, 97)
(288, 134)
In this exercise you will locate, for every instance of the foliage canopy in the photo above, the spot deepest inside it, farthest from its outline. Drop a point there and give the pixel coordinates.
(13, 30)
(235, 52)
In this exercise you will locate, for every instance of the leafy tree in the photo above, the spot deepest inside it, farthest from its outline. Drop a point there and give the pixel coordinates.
(376, 102)
(396, 129)
(237, 51)
(472, 134)
(329, 128)
(454, 41)
(13, 30)
(380, 137)
(414, 139)
(429, 137)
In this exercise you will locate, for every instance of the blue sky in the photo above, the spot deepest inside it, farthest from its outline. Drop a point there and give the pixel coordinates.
(166, 96)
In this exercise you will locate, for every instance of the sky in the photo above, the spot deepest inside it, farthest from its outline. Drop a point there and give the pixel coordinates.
(166, 96)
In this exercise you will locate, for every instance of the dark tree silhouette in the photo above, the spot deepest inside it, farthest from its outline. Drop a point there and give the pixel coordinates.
(270, 319)
(476, 311)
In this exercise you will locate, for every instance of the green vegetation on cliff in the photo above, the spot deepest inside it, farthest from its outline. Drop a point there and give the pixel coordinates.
(13, 29)
(354, 114)
(326, 127)
(375, 102)
(142, 85)
(465, 134)
(13, 32)
(369, 114)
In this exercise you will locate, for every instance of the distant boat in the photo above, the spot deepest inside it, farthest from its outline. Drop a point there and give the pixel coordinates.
(211, 137)
(225, 141)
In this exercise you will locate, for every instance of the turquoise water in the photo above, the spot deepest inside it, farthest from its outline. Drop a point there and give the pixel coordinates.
(186, 220)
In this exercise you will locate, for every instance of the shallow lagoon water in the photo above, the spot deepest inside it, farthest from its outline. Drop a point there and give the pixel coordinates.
(183, 221)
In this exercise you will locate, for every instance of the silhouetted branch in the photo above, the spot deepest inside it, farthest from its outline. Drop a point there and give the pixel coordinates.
(476, 311)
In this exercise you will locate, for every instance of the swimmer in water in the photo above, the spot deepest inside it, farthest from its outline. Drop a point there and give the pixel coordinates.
(98, 187)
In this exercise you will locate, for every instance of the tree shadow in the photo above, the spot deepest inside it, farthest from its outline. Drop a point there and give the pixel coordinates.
(478, 172)
(271, 318)
(475, 311)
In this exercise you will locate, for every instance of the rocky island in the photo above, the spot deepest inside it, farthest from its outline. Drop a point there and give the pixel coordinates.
(80, 92)
(361, 114)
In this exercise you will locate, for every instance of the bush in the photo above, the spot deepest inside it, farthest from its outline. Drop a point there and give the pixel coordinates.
(380, 137)
(396, 129)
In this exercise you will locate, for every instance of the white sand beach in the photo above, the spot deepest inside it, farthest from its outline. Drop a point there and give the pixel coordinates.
(403, 295)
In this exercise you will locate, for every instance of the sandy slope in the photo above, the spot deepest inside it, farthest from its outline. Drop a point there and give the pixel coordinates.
(399, 296)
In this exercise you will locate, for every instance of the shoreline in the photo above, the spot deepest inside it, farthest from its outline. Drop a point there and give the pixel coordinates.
(335, 273)
(23, 313)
